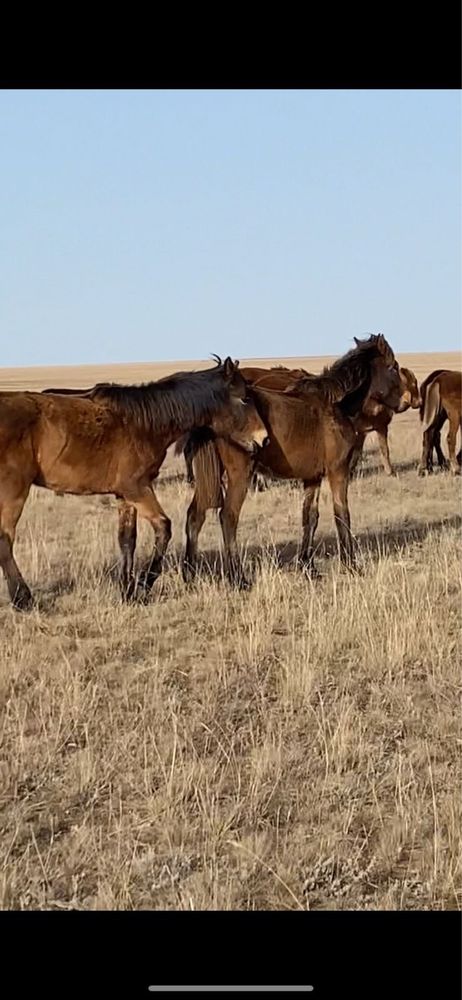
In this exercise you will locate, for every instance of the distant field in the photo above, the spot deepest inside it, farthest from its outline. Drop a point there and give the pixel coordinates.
(294, 747)
(76, 376)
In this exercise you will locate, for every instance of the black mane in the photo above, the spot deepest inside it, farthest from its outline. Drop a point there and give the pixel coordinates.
(347, 381)
(175, 401)
(182, 399)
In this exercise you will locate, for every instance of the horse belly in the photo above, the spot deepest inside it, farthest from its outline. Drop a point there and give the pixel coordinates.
(65, 468)
(289, 462)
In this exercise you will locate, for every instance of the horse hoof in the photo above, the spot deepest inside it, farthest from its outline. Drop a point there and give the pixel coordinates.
(23, 600)
(129, 590)
(188, 572)
(240, 582)
(309, 570)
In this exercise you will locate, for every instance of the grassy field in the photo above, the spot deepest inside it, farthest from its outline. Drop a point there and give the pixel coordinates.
(297, 746)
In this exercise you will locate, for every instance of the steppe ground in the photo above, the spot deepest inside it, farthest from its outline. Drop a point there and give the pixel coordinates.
(297, 746)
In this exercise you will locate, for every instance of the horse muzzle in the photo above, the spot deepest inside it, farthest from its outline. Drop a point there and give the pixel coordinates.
(255, 446)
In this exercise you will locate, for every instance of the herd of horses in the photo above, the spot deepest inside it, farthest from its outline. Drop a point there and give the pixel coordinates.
(232, 424)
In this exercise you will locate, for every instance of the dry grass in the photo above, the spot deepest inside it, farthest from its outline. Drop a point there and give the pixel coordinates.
(294, 747)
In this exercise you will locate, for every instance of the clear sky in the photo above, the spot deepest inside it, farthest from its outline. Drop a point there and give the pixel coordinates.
(158, 225)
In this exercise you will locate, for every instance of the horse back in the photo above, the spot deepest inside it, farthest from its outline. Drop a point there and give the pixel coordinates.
(444, 387)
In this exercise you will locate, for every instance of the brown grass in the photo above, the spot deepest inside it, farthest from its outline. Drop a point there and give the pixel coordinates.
(297, 746)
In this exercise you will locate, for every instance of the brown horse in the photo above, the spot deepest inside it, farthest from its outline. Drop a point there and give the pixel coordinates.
(310, 436)
(441, 394)
(374, 416)
(277, 377)
(377, 417)
(112, 439)
(436, 436)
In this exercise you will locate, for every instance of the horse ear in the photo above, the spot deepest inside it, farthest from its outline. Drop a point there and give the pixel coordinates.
(357, 342)
(236, 362)
(228, 368)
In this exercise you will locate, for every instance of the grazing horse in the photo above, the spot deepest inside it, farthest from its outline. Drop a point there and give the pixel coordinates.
(310, 436)
(112, 439)
(441, 400)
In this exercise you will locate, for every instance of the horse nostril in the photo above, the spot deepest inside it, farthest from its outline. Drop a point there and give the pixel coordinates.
(265, 442)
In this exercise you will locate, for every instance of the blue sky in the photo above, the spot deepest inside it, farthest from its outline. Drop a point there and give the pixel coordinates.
(158, 225)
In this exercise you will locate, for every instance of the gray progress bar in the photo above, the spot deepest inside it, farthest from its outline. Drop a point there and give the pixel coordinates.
(231, 989)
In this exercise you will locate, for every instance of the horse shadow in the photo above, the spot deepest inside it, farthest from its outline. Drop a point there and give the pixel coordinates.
(367, 471)
(284, 555)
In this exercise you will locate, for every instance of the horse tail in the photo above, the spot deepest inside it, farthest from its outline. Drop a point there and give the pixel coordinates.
(424, 386)
(431, 404)
(423, 394)
(207, 467)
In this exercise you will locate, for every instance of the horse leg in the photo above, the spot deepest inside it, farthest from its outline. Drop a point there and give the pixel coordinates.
(188, 454)
(259, 482)
(426, 464)
(194, 521)
(451, 440)
(127, 544)
(310, 518)
(357, 453)
(238, 483)
(148, 506)
(19, 592)
(382, 437)
(338, 481)
(439, 452)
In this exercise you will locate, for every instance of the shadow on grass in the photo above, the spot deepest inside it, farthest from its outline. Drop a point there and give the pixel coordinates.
(366, 471)
(375, 544)
(284, 555)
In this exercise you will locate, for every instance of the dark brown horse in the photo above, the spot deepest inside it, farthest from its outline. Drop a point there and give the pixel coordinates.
(112, 439)
(376, 417)
(441, 394)
(277, 377)
(310, 436)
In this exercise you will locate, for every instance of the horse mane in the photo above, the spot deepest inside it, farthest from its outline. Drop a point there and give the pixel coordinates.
(347, 381)
(184, 398)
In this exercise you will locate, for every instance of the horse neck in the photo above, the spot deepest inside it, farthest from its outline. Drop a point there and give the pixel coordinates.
(196, 414)
(340, 387)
